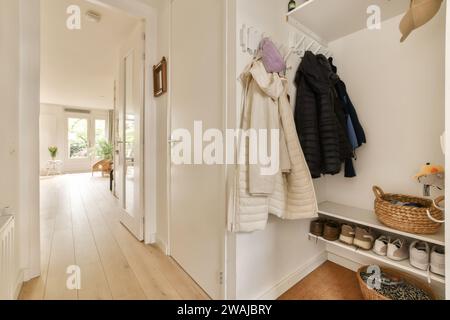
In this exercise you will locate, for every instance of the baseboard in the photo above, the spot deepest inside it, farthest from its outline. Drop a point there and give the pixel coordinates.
(344, 262)
(161, 245)
(29, 274)
(287, 283)
(151, 238)
(18, 285)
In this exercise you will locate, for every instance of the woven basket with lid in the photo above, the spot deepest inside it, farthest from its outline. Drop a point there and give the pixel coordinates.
(406, 218)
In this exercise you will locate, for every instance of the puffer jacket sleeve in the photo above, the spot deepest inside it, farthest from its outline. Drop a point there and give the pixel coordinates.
(307, 124)
(265, 90)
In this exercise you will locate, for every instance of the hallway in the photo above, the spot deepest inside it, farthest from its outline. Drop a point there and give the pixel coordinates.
(79, 226)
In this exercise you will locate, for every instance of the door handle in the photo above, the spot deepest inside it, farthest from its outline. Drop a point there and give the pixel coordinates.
(172, 141)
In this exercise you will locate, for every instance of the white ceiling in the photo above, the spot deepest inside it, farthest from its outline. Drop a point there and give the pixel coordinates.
(78, 66)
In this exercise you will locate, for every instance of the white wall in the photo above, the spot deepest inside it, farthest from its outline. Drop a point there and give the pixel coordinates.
(19, 87)
(29, 219)
(398, 91)
(9, 94)
(9, 97)
(266, 261)
(163, 132)
(156, 185)
(53, 132)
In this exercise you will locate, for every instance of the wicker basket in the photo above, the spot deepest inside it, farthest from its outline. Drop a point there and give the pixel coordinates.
(404, 218)
(370, 294)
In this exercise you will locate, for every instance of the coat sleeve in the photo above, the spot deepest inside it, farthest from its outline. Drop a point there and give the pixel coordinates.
(264, 119)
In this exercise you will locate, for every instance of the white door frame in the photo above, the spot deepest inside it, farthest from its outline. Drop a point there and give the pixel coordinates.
(149, 14)
(30, 39)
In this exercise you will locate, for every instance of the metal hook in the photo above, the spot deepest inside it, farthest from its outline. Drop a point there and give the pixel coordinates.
(295, 48)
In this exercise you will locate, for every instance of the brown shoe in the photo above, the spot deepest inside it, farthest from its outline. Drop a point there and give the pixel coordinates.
(347, 234)
(364, 238)
(331, 231)
(316, 227)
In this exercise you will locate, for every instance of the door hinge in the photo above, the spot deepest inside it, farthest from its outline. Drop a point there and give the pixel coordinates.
(144, 36)
(221, 278)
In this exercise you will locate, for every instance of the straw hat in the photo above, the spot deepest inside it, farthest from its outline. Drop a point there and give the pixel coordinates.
(420, 12)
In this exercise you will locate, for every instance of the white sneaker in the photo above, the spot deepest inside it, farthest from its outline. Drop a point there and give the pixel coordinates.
(419, 253)
(398, 250)
(381, 246)
(438, 260)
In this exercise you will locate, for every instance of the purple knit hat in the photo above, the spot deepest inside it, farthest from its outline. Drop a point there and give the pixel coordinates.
(271, 57)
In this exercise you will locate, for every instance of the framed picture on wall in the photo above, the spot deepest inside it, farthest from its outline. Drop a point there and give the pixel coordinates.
(160, 78)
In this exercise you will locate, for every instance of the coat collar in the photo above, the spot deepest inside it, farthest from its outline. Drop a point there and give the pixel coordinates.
(270, 83)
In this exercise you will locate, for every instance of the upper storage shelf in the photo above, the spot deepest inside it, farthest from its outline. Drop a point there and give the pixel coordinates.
(329, 20)
(369, 219)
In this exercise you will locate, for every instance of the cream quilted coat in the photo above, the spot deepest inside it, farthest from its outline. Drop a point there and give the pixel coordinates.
(290, 193)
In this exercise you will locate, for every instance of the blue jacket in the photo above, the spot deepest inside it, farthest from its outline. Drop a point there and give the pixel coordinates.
(355, 131)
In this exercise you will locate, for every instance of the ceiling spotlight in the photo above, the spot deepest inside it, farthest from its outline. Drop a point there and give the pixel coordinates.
(93, 16)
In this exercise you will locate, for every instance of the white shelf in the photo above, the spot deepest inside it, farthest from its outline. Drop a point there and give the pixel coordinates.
(330, 20)
(401, 265)
(369, 219)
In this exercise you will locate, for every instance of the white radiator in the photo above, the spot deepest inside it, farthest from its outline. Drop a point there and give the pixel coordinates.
(7, 258)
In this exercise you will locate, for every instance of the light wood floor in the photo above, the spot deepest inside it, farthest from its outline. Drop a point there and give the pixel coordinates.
(79, 226)
(328, 282)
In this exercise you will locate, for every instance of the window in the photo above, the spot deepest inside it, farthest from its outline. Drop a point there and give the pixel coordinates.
(78, 138)
(100, 132)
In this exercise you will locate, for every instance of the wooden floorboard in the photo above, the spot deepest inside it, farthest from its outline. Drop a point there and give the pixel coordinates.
(80, 226)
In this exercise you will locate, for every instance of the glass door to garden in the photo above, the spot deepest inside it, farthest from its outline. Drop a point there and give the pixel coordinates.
(102, 145)
(78, 143)
(87, 141)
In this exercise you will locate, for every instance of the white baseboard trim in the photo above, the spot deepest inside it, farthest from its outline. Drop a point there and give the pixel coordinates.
(18, 285)
(291, 280)
(344, 262)
(161, 245)
(151, 239)
(29, 274)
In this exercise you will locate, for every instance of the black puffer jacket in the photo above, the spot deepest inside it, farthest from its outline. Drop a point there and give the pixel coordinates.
(318, 117)
(345, 148)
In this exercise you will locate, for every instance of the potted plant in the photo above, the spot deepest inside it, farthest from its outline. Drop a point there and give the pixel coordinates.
(105, 150)
(53, 152)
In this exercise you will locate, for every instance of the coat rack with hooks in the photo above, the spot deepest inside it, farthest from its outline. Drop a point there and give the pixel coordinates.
(299, 43)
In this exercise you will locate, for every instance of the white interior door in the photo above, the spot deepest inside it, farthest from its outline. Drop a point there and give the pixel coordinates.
(129, 140)
(197, 191)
